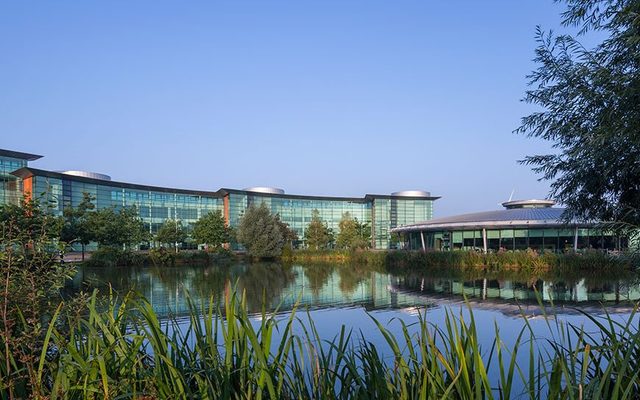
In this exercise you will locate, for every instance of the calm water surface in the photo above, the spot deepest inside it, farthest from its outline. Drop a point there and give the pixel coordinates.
(336, 287)
(337, 295)
(350, 295)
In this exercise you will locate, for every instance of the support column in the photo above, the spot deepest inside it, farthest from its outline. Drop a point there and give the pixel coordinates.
(424, 248)
(575, 240)
(484, 239)
(484, 289)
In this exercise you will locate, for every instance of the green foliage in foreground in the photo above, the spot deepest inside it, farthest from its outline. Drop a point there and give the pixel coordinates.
(127, 352)
(32, 277)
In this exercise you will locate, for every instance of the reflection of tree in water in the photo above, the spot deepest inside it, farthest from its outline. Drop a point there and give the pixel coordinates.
(318, 275)
(200, 281)
(208, 281)
(264, 281)
(350, 277)
(120, 279)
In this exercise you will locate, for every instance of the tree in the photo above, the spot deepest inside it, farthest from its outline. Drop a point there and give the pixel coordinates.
(348, 236)
(76, 227)
(171, 232)
(394, 240)
(288, 235)
(590, 112)
(353, 233)
(364, 234)
(116, 228)
(259, 232)
(317, 235)
(211, 229)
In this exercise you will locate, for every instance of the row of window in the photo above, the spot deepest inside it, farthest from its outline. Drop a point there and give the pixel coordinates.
(155, 207)
(518, 239)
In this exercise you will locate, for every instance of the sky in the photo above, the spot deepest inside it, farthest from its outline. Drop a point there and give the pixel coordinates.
(339, 98)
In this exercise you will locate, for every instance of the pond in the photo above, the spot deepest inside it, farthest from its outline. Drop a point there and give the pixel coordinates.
(357, 296)
(350, 295)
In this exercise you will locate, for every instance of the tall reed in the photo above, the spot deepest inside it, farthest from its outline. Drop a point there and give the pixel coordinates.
(223, 352)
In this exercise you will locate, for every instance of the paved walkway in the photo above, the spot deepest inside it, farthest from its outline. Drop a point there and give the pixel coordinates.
(75, 257)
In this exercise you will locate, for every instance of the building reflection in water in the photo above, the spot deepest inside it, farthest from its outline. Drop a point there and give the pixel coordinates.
(573, 291)
(269, 284)
(272, 285)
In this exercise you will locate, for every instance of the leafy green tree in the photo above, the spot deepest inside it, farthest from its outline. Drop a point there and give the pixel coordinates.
(353, 233)
(589, 99)
(172, 233)
(76, 227)
(111, 227)
(288, 235)
(348, 236)
(30, 221)
(394, 240)
(30, 291)
(317, 236)
(259, 232)
(364, 234)
(212, 230)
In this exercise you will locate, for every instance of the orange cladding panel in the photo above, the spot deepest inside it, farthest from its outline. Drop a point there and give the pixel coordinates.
(27, 188)
(225, 204)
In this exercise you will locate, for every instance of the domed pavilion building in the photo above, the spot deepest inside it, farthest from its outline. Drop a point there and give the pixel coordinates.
(522, 225)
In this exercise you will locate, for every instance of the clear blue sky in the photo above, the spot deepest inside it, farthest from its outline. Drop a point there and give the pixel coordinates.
(317, 97)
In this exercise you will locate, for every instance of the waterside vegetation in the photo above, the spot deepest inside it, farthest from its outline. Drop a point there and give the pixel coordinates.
(523, 261)
(113, 257)
(78, 348)
(223, 353)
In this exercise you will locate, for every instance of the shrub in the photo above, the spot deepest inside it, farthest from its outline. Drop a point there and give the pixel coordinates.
(113, 257)
(162, 257)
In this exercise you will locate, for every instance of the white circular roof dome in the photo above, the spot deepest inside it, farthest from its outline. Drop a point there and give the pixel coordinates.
(411, 193)
(264, 189)
(532, 203)
(87, 174)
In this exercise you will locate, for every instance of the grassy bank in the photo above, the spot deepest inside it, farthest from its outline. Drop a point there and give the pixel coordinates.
(112, 257)
(368, 257)
(526, 261)
(395, 261)
(127, 352)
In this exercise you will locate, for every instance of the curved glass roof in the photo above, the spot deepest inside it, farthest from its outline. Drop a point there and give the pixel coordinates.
(516, 217)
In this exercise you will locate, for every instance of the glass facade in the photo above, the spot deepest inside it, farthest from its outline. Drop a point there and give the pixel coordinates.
(10, 185)
(523, 225)
(296, 210)
(544, 238)
(155, 204)
(382, 213)
(390, 213)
